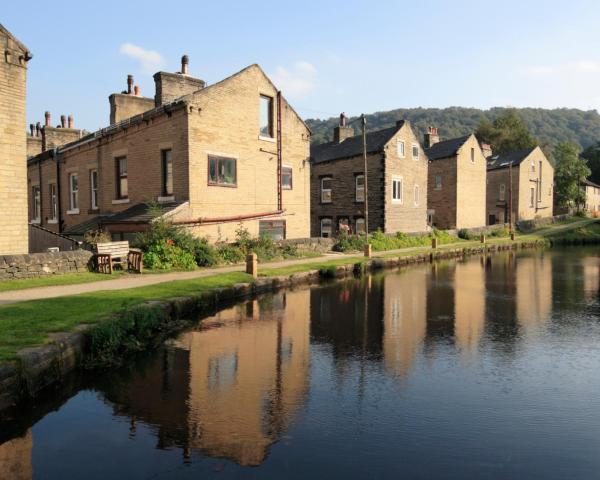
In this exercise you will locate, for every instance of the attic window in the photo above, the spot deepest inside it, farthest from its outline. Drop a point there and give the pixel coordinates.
(401, 153)
(266, 116)
(415, 151)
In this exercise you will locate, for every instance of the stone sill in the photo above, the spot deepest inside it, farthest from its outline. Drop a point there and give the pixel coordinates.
(35, 221)
(267, 139)
(170, 198)
(119, 201)
(52, 222)
(75, 211)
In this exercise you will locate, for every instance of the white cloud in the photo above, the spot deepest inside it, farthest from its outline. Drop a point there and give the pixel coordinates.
(150, 60)
(296, 81)
(580, 67)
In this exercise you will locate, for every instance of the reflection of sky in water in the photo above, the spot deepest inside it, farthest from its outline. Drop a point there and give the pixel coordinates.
(482, 368)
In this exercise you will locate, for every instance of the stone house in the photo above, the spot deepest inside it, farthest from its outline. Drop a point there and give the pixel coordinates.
(592, 197)
(13, 145)
(456, 181)
(532, 186)
(211, 158)
(396, 182)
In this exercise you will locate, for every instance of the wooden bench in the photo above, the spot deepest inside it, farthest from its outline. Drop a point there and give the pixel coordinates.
(108, 254)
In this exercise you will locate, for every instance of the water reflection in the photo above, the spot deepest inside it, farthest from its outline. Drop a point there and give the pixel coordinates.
(244, 379)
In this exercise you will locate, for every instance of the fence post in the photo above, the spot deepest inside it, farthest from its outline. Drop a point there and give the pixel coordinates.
(512, 236)
(482, 238)
(368, 250)
(252, 264)
(434, 242)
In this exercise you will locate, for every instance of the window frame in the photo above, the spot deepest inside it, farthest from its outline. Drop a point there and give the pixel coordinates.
(362, 231)
(323, 219)
(437, 185)
(417, 195)
(532, 197)
(403, 153)
(165, 161)
(400, 199)
(121, 179)
(273, 226)
(291, 174)
(323, 190)
(218, 183)
(502, 192)
(73, 193)
(416, 146)
(356, 189)
(36, 204)
(94, 189)
(270, 134)
(53, 191)
(472, 154)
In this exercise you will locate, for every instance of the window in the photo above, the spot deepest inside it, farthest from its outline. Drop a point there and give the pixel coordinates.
(502, 192)
(53, 202)
(94, 189)
(286, 178)
(397, 190)
(274, 229)
(539, 190)
(326, 190)
(438, 182)
(266, 116)
(36, 207)
(415, 151)
(532, 166)
(416, 194)
(359, 188)
(472, 155)
(222, 171)
(167, 172)
(326, 227)
(400, 146)
(344, 225)
(121, 177)
(532, 197)
(73, 193)
(359, 226)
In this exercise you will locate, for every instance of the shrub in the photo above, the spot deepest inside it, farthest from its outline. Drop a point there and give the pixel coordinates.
(229, 253)
(167, 255)
(204, 253)
(347, 243)
(499, 232)
(467, 235)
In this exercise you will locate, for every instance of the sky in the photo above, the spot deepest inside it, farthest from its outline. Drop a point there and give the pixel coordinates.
(325, 56)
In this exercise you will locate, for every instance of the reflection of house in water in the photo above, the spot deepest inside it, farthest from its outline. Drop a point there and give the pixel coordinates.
(404, 318)
(15, 458)
(469, 304)
(231, 388)
(591, 277)
(533, 280)
(440, 305)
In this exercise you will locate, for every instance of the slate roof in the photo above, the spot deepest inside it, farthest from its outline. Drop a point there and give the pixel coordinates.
(589, 183)
(84, 227)
(140, 213)
(351, 147)
(445, 148)
(503, 160)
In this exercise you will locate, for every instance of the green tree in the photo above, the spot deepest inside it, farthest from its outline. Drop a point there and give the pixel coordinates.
(592, 155)
(507, 133)
(570, 171)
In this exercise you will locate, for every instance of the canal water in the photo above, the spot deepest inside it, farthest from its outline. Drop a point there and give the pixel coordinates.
(484, 368)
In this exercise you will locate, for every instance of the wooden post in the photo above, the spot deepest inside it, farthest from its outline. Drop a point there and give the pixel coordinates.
(434, 242)
(252, 264)
(512, 236)
(482, 238)
(368, 250)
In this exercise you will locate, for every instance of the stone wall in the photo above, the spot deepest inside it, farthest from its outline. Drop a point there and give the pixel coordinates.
(42, 264)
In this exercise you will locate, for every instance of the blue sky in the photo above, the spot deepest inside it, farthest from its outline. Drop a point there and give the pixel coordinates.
(326, 56)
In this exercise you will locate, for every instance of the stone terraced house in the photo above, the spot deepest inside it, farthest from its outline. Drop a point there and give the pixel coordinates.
(592, 197)
(211, 158)
(456, 181)
(532, 186)
(396, 182)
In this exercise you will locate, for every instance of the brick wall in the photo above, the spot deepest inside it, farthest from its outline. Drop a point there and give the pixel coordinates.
(43, 264)
(13, 151)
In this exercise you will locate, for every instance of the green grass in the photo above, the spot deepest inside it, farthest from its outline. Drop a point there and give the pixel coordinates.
(304, 267)
(29, 323)
(52, 280)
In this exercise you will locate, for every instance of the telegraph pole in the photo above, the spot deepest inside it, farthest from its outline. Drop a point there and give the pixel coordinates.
(364, 142)
(510, 198)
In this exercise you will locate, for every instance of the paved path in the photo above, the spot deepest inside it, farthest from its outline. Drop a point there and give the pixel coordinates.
(133, 281)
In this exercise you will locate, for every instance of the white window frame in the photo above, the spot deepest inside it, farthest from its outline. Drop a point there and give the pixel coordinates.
(416, 195)
(36, 201)
(73, 194)
(401, 149)
(502, 192)
(53, 190)
(415, 146)
(361, 219)
(356, 189)
(94, 190)
(323, 190)
(330, 220)
(400, 199)
(287, 167)
(437, 185)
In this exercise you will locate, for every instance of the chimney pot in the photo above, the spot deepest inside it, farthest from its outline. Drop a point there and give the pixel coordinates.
(70, 120)
(342, 119)
(38, 129)
(185, 62)
(47, 117)
(63, 121)
(31, 128)
(136, 90)
(431, 137)
(129, 84)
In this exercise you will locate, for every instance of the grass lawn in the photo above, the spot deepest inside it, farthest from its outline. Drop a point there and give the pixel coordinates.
(51, 280)
(28, 323)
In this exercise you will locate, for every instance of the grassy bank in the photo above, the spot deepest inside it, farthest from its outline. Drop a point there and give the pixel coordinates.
(52, 280)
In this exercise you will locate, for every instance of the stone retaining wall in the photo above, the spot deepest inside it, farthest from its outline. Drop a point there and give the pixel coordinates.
(42, 264)
(41, 367)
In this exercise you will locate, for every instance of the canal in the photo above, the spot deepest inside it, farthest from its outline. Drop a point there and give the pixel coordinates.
(483, 368)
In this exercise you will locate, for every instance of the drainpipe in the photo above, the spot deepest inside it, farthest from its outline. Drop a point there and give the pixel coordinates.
(56, 156)
(40, 187)
(279, 153)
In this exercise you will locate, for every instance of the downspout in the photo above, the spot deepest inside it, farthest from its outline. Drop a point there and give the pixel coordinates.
(279, 154)
(40, 187)
(56, 156)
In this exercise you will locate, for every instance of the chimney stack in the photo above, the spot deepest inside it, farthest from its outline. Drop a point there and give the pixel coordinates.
(63, 121)
(342, 132)
(129, 84)
(47, 117)
(31, 129)
(431, 137)
(70, 120)
(486, 148)
(136, 90)
(185, 63)
(38, 129)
